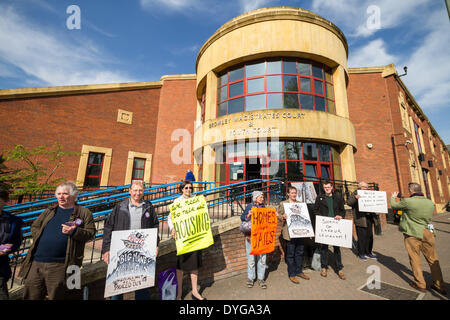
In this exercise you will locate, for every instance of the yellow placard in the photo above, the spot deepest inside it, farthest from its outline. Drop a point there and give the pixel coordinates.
(192, 225)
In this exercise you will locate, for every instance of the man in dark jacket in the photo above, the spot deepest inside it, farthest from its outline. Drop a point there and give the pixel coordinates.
(330, 205)
(364, 222)
(59, 236)
(10, 240)
(132, 213)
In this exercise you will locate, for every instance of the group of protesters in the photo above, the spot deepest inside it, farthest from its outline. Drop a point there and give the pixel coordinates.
(60, 232)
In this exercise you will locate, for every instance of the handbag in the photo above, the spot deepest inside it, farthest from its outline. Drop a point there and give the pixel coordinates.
(315, 264)
(246, 227)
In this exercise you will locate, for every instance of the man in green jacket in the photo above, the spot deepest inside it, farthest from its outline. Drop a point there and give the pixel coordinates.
(59, 235)
(419, 236)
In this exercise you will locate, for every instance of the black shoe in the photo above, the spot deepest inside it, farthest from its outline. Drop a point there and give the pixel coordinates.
(195, 298)
(441, 291)
(415, 286)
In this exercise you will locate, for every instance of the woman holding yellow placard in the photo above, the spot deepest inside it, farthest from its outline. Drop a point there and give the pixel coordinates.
(188, 262)
(260, 260)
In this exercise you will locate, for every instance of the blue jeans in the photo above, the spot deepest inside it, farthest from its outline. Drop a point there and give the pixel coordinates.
(294, 256)
(324, 257)
(142, 294)
(252, 260)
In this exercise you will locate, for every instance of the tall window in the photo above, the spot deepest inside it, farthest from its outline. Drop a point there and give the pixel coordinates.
(94, 169)
(138, 169)
(275, 84)
(416, 130)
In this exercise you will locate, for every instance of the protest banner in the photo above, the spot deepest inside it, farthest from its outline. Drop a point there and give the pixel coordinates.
(334, 232)
(298, 220)
(131, 261)
(264, 228)
(191, 222)
(372, 201)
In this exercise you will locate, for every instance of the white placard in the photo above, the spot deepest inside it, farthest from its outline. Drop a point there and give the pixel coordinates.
(298, 220)
(372, 201)
(334, 232)
(131, 261)
(305, 192)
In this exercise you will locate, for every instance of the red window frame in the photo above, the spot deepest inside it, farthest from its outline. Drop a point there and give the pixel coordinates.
(91, 165)
(133, 175)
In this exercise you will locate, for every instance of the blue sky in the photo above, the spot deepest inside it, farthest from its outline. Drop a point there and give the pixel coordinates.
(141, 40)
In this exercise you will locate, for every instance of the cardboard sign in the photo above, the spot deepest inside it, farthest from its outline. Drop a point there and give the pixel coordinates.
(305, 192)
(264, 228)
(191, 222)
(334, 232)
(372, 201)
(298, 220)
(131, 261)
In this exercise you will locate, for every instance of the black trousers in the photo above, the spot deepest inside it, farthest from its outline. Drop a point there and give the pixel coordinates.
(365, 237)
(3, 289)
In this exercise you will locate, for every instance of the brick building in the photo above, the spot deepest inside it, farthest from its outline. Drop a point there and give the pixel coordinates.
(331, 121)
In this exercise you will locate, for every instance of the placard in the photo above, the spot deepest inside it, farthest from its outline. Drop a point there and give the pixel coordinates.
(298, 220)
(191, 222)
(131, 261)
(372, 201)
(305, 192)
(264, 228)
(334, 232)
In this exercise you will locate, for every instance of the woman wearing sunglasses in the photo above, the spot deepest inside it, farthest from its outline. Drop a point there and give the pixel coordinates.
(191, 261)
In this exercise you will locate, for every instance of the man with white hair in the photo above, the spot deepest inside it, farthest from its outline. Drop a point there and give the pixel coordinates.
(59, 236)
(132, 213)
(364, 222)
(419, 236)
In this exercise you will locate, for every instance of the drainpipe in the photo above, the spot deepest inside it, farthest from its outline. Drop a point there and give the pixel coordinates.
(397, 164)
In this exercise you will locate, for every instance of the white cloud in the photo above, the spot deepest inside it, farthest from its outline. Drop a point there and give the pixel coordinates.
(248, 5)
(49, 58)
(371, 55)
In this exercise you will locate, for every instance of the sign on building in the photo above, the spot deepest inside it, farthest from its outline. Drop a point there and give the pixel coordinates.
(131, 261)
(334, 232)
(372, 201)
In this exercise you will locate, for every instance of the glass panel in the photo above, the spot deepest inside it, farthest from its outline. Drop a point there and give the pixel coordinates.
(318, 87)
(291, 100)
(331, 107)
(305, 84)
(236, 74)
(330, 93)
(256, 102)
(255, 85)
(236, 171)
(277, 170)
(139, 163)
(276, 150)
(93, 170)
(324, 153)
(306, 101)
(311, 170)
(320, 103)
(290, 83)
(92, 182)
(328, 75)
(253, 70)
(95, 158)
(236, 89)
(325, 172)
(310, 151)
(256, 148)
(317, 72)
(294, 150)
(290, 67)
(273, 67)
(138, 174)
(223, 93)
(223, 79)
(236, 105)
(222, 109)
(304, 69)
(294, 171)
(273, 83)
(275, 101)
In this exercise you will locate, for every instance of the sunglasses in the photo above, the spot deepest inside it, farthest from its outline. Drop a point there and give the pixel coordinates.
(188, 188)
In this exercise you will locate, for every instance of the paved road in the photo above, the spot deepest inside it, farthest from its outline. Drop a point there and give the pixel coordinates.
(393, 264)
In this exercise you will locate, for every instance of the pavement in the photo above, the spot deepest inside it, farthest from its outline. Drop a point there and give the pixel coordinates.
(392, 265)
